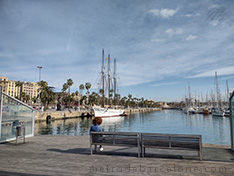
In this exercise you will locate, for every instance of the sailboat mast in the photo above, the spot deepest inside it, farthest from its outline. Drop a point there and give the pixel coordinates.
(228, 94)
(115, 81)
(217, 89)
(189, 94)
(109, 79)
(103, 79)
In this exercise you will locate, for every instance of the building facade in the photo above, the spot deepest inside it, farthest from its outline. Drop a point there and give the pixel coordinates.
(10, 88)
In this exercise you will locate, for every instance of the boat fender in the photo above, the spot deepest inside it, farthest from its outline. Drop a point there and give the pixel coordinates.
(48, 119)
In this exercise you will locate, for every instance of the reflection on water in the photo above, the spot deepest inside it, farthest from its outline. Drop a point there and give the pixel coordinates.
(215, 130)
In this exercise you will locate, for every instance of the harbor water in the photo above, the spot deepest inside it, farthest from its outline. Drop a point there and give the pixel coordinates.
(214, 130)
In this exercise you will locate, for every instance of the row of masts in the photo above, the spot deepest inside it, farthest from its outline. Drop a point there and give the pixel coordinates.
(213, 101)
(109, 79)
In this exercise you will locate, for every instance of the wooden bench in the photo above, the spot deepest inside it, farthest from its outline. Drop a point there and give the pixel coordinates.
(115, 139)
(171, 141)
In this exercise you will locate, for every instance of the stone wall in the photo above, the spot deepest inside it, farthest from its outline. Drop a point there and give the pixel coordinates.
(57, 115)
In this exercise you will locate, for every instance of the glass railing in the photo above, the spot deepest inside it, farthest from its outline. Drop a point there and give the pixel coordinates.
(13, 113)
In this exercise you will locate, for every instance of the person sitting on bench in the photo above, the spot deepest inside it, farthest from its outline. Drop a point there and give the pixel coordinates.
(97, 121)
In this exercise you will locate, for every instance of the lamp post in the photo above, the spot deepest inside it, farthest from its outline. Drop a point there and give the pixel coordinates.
(39, 67)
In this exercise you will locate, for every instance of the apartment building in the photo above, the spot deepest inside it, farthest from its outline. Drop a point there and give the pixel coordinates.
(10, 88)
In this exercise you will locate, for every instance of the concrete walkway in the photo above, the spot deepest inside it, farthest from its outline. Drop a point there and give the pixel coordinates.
(69, 155)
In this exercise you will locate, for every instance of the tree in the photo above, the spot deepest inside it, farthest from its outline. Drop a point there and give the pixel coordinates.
(69, 83)
(65, 87)
(22, 96)
(129, 99)
(117, 98)
(20, 85)
(123, 101)
(94, 98)
(87, 86)
(34, 99)
(47, 94)
(81, 87)
(27, 98)
(76, 93)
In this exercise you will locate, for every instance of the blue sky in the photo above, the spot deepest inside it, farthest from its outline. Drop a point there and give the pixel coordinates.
(160, 46)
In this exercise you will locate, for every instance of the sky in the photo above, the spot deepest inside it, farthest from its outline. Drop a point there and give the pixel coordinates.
(160, 46)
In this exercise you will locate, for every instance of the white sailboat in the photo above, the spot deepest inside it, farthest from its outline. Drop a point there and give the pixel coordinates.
(189, 109)
(107, 111)
(217, 112)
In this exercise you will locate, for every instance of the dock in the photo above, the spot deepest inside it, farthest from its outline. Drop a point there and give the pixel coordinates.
(70, 156)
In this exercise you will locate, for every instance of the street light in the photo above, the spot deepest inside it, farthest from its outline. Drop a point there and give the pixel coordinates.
(39, 67)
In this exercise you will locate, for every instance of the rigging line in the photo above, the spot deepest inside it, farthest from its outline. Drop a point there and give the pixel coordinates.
(96, 70)
(94, 85)
(118, 83)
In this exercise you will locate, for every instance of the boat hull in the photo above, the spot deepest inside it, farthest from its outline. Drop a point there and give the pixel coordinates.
(107, 112)
(218, 114)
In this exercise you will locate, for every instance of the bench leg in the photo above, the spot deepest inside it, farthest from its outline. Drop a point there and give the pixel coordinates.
(139, 152)
(143, 152)
(91, 149)
(200, 154)
(95, 148)
(24, 135)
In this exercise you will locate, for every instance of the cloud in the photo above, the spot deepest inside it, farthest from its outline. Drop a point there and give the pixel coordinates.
(172, 32)
(192, 15)
(165, 84)
(221, 71)
(157, 40)
(163, 13)
(190, 37)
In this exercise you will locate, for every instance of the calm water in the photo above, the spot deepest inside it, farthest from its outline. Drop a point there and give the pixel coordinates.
(214, 130)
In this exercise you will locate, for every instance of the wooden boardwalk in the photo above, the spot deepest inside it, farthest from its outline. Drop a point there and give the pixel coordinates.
(69, 156)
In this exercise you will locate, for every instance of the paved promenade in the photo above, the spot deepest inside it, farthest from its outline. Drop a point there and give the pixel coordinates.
(69, 156)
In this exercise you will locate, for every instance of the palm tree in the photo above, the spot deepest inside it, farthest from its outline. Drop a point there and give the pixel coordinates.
(117, 98)
(22, 96)
(123, 101)
(27, 98)
(81, 87)
(20, 85)
(69, 83)
(65, 87)
(129, 99)
(46, 93)
(87, 86)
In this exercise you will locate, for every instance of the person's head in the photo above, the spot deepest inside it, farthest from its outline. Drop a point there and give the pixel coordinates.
(97, 121)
